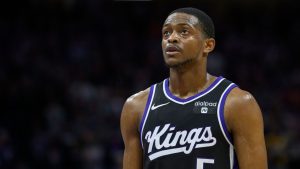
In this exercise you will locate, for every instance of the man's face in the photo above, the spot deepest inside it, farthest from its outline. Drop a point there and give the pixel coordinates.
(182, 40)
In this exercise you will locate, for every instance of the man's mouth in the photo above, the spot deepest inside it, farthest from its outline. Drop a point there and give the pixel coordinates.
(170, 50)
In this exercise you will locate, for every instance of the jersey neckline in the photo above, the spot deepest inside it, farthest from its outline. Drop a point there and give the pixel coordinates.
(179, 100)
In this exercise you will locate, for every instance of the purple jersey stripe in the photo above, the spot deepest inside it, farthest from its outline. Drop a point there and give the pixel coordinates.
(223, 99)
(146, 111)
(192, 97)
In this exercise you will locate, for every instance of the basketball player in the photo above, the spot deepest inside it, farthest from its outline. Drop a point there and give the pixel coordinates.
(192, 120)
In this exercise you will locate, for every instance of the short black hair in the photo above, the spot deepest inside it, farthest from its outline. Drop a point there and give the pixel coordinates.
(205, 21)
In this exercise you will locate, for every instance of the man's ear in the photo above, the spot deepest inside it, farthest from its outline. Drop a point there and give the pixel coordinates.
(209, 45)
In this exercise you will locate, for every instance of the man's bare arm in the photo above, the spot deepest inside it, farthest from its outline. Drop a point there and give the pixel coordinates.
(245, 122)
(130, 120)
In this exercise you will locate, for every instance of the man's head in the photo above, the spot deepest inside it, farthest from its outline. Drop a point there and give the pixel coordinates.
(205, 22)
(188, 36)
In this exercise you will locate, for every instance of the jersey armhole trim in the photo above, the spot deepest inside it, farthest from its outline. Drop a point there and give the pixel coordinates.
(146, 112)
(221, 117)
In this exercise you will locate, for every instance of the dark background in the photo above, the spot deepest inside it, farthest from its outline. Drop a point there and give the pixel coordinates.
(67, 66)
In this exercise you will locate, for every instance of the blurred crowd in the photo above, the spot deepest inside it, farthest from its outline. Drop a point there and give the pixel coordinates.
(67, 67)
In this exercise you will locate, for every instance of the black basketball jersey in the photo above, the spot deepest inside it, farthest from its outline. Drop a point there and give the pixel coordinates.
(187, 133)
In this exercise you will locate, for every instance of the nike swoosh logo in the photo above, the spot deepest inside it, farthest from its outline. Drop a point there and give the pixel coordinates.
(160, 105)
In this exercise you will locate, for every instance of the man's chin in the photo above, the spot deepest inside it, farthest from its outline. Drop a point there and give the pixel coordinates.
(176, 65)
(173, 65)
(173, 62)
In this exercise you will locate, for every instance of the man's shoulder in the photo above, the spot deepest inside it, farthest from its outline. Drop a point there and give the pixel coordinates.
(132, 112)
(239, 97)
(241, 103)
(138, 98)
(135, 104)
(240, 106)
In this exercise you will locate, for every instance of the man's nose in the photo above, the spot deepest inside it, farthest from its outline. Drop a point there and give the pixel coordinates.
(173, 38)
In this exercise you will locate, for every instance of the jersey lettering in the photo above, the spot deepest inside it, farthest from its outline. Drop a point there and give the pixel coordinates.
(181, 141)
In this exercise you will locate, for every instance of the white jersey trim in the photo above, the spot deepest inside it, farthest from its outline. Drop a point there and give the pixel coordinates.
(193, 99)
(147, 109)
(220, 113)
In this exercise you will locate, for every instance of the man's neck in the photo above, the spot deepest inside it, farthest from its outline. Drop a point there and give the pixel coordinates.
(184, 84)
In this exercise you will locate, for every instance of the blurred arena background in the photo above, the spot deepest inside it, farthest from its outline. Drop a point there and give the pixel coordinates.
(67, 66)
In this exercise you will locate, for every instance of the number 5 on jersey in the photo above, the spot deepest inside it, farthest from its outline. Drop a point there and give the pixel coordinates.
(201, 161)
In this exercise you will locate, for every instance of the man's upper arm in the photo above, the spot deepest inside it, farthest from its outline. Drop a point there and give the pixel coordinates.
(130, 119)
(245, 122)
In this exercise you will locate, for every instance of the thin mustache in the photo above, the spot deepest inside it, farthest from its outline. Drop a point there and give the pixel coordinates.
(173, 46)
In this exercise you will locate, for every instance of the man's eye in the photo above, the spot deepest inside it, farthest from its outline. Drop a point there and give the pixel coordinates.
(166, 33)
(184, 31)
